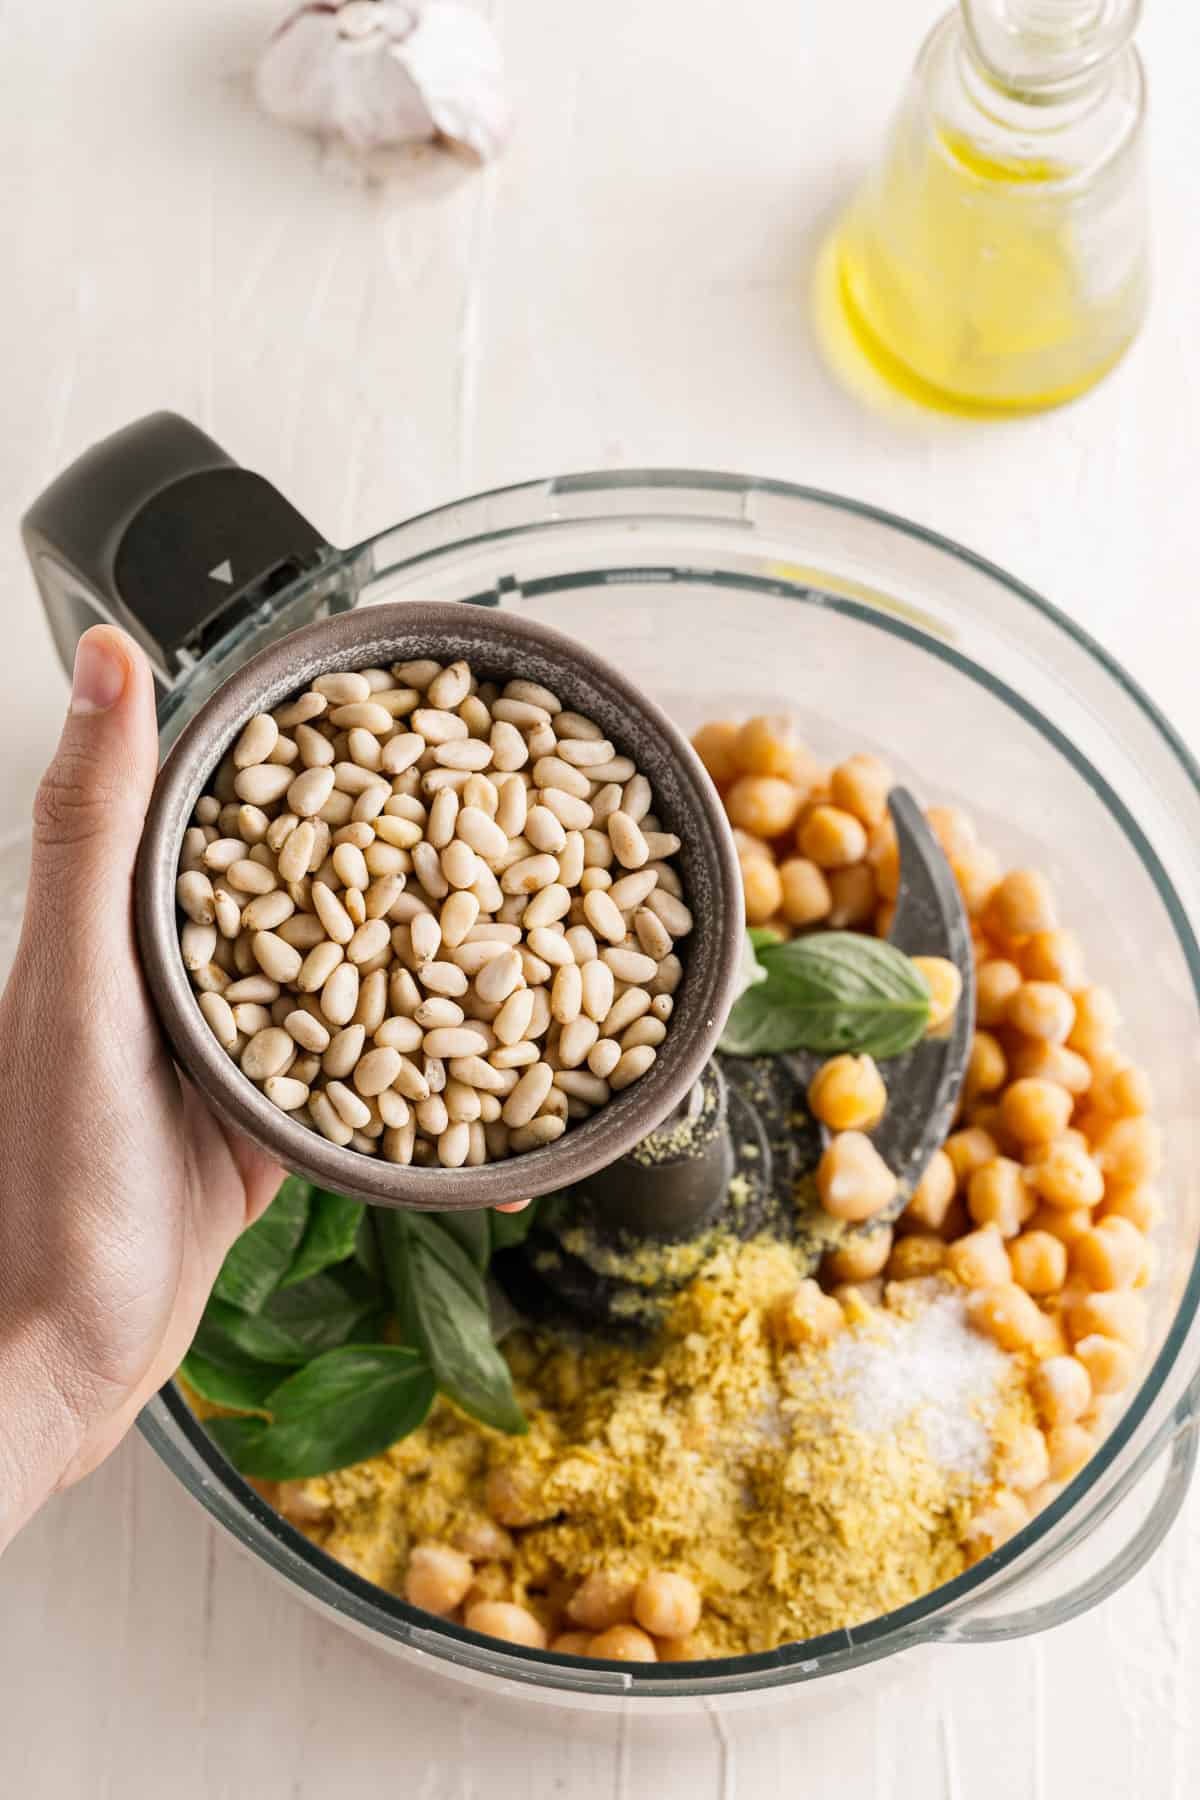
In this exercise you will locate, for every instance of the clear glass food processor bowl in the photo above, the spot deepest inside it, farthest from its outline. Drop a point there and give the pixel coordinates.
(723, 596)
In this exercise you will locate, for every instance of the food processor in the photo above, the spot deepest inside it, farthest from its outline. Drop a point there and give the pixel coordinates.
(722, 595)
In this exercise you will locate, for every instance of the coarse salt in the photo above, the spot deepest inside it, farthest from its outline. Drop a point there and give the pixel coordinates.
(928, 1367)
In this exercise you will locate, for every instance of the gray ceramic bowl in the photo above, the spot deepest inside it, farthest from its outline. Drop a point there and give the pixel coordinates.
(502, 647)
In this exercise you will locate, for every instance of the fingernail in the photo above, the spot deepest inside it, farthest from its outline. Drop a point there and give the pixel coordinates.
(100, 671)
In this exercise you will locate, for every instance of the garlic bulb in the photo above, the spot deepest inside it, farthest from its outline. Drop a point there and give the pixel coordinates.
(384, 72)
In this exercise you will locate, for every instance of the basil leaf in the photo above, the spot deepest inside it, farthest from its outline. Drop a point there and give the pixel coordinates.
(750, 970)
(833, 991)
(761, 936)
(245, 1389)
(262, 1255)
(510, 1229)
(442, 1305)
(330, 1236)
(366, 1249)
(345, 1406)
(470, 1231)
(296, 1324)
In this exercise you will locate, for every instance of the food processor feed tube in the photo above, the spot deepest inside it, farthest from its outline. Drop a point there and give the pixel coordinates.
(997, 255)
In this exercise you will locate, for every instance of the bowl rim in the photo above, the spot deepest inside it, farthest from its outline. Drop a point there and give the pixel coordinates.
(712, 969)
(997, 1573)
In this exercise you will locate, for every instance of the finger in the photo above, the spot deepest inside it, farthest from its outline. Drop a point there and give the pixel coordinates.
(91, 805)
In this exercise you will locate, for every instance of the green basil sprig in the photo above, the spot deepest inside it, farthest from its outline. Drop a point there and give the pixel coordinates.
(831, 991)
(292, 1339)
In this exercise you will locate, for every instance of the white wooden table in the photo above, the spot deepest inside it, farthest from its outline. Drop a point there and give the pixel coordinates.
(629, 286)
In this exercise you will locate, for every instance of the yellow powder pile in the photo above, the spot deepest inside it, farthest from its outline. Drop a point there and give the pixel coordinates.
(795, 1489)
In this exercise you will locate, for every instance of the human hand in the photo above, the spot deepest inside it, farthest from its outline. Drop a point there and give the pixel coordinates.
(120, 1193)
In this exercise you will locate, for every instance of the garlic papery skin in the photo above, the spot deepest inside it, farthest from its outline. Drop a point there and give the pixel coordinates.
(387, 72)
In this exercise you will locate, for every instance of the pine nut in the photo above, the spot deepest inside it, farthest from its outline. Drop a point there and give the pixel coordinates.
(443, 978)
(603, 1057)
(268, 1053)
(570, 861)
(194, 894)
(669, 976)
(512, 810)
(585, 753)
(251, 1017)
(349, 866)
(481, 833)
(619, 769)
(550, 945)
(443, 817)
(474, 1072)
(552, 772)
(598, 988)
(652, 934)
(583, 945)
(267, 911)
(257, 990)
(333, 915)
(219, 1014)
(552, 904)
(199, 943)
(307, 1031)
(470, 958)
(631, 1005)
(674, 914)
(448, 1041)
(402, 834)
(460, 865)
(276, 958)
(399, 1033)
(469, 754)
(576, 1039)
(630, 965)
(343, 1051)
(566, 995)
(350, 1108)
(632, 1066)
(528, 1095)
(432, 1116)
(339, 996)
(604, 916)
(631, 890)
(318, 966)
(221, 854)
(459, 913)
(365, 713)
(583, 1086)
(262, 784)
(497, 979)
(627, 840)
(437, 726)
(508, 746)
(519, 713)
(536, 1135)
(285, 1092)
(342, 688)
(369, 939)
(544, 830)
(636, 798)
(376, 1071)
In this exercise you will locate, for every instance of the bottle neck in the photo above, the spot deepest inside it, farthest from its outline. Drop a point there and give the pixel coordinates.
(1043, 50)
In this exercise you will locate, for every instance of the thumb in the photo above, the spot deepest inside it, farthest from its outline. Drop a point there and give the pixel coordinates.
(92, 801)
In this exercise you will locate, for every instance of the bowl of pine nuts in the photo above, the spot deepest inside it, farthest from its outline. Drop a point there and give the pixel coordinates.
(436, 907)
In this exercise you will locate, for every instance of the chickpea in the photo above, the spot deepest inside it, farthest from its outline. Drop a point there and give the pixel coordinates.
(1109, 1363)
(483, 1540)
(861, 786)
(623, 1643)
(747, 844)
(933, 1194)
(1068, 1447)
(847, 1094)
(1126, 1091)
(987, 1066)
(716, 746)
(1023, 1462)
(806, 1316)
(1117, 1313)
(675, 1649)
(953, 829)
(1140, 1205)
(806, 893)
(1052, 1062)
(968, 1150)
(1007, 1315)
(853, 895)
(1036, 1112)
(513, 1496)
(977, 873)
(853, 1181)
(857, 1299)
(979, 1259)
(1096, 1019)
(832, 838)
(997, 1195)
(768, 745)
(1061, 1387)
(1022, 904)
(1054, 955)
(605, 1598)
(1039, 1262)
(996, 981)
(437, 1578)
(885, 918)
(761, 887)
(1064, 1174)
(883, 854)
(1042, 1010)
(503, 1619)
(860, 1257)
(1000, 1519)
(666, 1605)
(918, 1254)
(1129, 1151)
(573, 1643)
(945, 988)
(1109, 1256)
(763, 804)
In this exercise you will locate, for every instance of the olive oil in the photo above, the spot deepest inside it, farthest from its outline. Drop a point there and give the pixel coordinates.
(996, 258)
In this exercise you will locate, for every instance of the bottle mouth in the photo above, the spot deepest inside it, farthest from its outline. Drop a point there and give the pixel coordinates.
(1043, 49)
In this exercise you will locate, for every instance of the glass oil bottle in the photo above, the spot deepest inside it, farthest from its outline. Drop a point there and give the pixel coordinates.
(996, 258)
